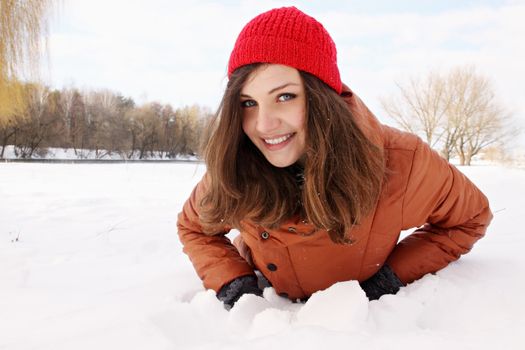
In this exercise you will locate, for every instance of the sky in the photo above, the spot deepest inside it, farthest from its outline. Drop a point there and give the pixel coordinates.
(177, 51)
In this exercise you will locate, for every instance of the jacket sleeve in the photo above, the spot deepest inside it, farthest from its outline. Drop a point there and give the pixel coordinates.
(450, 212)
(215, 259)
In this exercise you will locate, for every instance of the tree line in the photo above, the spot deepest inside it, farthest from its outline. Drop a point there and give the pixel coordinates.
(103, 122)
(456, 113)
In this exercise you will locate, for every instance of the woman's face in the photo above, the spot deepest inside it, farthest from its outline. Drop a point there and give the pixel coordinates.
(273, 105)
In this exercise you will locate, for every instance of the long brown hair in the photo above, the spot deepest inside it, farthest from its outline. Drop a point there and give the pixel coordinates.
(342, 172)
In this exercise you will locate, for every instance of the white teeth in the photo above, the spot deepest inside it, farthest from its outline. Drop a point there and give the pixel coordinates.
(278, 140)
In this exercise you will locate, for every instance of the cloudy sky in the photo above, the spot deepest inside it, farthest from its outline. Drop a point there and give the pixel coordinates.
(176, 51)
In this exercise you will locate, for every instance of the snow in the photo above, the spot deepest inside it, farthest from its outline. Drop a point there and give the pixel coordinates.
(64, 154)
(90, 259)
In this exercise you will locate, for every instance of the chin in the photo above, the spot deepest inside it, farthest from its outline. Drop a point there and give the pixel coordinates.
(281, 163)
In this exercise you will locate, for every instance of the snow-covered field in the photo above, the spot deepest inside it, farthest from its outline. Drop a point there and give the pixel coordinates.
(90, 259)
(86, 154)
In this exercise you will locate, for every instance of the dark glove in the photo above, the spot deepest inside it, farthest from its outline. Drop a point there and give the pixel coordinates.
(383, 282)
(231, 292)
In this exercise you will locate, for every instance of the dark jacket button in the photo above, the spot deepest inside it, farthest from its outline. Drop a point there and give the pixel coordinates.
(272, 267)
(265, 235)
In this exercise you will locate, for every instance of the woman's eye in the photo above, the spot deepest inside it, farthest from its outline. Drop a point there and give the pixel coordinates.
(248, 103)
(285, 97)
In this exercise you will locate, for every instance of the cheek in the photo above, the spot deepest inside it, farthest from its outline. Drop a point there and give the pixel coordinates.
(300, 120)
(247, 124)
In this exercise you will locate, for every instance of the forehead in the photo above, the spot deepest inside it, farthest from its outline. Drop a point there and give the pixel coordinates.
(269, 76)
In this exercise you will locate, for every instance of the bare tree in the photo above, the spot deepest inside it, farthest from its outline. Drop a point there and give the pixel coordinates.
(55, 111)
(456, 112)
(420, 107)
(145, 125)
(101, 107)
(120, 137)
(478, 119)
(169, 132)
(36, 124)
(190, 122)
(66, 101)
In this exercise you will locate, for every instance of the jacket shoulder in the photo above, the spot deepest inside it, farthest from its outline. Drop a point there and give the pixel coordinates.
(395, 139)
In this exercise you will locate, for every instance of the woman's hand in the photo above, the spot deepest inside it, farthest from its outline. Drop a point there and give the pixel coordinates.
(383, 282)
(231, 292)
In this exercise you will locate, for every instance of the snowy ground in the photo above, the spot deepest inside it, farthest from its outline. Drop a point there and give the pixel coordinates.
(89, 259)
(86, 154)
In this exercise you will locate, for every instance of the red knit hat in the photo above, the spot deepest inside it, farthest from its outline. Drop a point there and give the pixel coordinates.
(290, 37)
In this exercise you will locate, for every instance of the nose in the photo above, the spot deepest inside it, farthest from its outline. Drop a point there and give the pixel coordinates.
(267, 121)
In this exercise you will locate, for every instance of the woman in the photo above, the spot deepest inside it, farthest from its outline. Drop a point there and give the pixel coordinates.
(317, 187)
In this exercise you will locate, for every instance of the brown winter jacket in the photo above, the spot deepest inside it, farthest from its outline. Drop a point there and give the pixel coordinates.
(421, 190)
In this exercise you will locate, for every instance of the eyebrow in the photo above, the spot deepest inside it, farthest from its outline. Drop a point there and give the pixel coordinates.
(274, 89)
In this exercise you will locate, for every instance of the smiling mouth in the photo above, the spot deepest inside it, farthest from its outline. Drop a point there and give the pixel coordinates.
(278, 140)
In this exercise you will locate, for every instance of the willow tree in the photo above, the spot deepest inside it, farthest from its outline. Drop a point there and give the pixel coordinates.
(23, 26)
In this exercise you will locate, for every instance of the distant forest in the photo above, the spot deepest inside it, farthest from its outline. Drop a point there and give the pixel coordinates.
(101, 121)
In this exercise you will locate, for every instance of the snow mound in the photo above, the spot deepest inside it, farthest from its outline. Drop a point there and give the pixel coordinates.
(342, 307)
